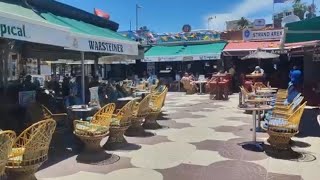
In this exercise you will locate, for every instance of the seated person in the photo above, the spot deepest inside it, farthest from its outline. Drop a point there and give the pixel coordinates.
(258, 70)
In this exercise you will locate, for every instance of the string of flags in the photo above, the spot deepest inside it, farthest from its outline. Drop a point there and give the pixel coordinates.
(151, 37)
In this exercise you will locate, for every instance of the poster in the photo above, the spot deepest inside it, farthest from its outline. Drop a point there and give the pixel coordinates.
(151, 68)
(94, 95)
(27, 97)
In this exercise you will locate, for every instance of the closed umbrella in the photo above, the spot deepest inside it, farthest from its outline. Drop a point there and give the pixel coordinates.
(259, 54)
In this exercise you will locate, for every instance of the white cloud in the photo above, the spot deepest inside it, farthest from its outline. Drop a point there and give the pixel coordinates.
(250, 9)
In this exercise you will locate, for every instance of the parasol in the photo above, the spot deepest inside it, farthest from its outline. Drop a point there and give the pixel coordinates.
(259, 54)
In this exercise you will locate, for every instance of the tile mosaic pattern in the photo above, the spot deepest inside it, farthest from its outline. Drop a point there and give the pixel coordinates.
(199, 142)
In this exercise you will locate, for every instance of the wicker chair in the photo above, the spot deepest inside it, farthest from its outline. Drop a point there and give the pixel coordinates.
(30, 150)
(106, 113)
(61, 119)
(282, 130)
(91, 133)
(119, 124)
(141, 111)
(188, 86)
(156, 103)
(6, 141)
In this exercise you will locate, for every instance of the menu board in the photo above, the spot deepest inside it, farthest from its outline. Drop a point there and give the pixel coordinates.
(94, 95)
(27, 97)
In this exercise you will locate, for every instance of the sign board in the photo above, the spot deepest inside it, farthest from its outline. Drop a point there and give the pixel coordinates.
(182, 58)
(25, 29)
(249, 35)
(104, 45)
(186, 28)
(27, 97)
(259, 24)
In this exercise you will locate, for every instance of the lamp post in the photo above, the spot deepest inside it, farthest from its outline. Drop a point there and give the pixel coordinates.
(137, 14)
(209, 20)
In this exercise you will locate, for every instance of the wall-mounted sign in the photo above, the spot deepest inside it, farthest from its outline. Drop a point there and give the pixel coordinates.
(182, 58)
(186, 28)
(262, 35)
(259, 24)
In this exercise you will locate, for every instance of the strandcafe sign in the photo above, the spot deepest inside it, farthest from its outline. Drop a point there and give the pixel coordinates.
(262, 35)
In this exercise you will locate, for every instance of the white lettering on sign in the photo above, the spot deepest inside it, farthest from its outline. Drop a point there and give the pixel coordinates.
(262, 35)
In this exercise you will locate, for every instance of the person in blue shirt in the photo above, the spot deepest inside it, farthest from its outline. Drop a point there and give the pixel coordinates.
(295, 76)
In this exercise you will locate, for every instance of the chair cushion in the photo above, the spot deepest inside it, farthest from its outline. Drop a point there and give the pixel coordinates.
(277, 122)
(89, 118)
(16, 154)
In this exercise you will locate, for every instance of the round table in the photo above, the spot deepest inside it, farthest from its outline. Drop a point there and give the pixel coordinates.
(254, 77)
(270, 88)
(257, 102)
(265, 91)
(123, 101)
(141, 94)
(254, 145)
(200, 84)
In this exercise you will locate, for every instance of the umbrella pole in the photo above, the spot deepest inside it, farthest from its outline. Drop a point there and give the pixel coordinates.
(83, 79)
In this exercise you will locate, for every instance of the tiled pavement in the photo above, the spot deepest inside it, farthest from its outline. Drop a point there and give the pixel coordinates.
(199, 141)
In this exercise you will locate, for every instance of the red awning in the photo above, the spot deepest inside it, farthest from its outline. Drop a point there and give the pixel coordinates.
(244, 48)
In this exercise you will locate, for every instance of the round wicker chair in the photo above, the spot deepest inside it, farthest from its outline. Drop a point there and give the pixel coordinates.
(6, 141)
(141, 111)
(119, 124)
(156, 103)
(90, 134)
(30, 150)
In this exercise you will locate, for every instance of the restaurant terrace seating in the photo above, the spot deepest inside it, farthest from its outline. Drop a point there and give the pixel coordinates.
(61, 118)
(140, 111)
(189, 86)
(156, 104)
(30, 150)
(120, 122)
(6, 141)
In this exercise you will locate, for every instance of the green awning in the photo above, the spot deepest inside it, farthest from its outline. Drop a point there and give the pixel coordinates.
(301, 31)
(210, 51)
(92, 38)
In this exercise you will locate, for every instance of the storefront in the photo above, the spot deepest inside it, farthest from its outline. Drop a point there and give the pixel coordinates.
(167, 60)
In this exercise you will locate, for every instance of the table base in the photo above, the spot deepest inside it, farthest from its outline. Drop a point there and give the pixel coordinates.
(253, 146)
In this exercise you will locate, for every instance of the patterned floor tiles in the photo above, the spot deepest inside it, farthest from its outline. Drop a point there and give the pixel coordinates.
(199, 141)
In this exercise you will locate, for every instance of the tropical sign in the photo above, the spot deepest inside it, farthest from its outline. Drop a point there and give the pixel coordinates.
(20, 28)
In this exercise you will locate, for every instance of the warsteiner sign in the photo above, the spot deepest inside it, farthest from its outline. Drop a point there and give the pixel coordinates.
(104, 46)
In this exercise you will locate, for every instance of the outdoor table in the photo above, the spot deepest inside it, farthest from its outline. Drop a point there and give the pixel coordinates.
(254, 145)
(123, 101)
(141, 94)
(83, 109)
(270, 88)
(254, 77)
(265, 91)
(200, 84)
(257, 102)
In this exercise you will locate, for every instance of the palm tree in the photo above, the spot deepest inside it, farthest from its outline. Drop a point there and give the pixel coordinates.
(299, 8)
(242, 23)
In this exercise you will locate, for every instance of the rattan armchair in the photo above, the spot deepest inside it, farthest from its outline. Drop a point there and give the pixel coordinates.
(282, 130)
(30, 150)
(140, 112)
(188, 86)
(61, 119)
(6, 141)
(156, 103)
(120, 122)
(104, 115)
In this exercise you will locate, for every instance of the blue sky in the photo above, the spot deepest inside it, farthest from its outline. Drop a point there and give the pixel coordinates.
(171, 15)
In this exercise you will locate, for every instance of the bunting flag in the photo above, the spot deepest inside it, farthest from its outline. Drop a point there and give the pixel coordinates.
(101, 13)
(164, 38)
(206, 38)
